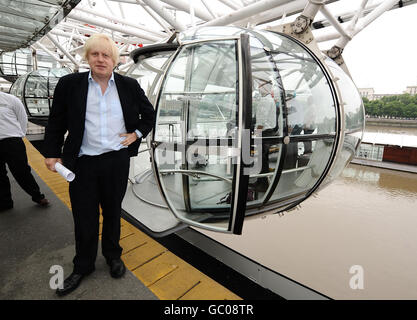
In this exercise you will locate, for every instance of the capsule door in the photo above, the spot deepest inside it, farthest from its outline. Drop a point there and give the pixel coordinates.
(197, 141)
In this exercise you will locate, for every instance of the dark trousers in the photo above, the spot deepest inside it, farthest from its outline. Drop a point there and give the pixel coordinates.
(99, 181)
(292, 147)
(13, 153)
(265, 152)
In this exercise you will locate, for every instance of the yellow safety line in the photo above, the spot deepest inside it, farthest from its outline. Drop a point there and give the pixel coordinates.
(165, 274)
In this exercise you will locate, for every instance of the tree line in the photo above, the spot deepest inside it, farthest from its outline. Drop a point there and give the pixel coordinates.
(398, 106)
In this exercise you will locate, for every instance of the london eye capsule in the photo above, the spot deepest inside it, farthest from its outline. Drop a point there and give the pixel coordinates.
(35, 89)
(15, 64)
(19, 62)
(248, 122)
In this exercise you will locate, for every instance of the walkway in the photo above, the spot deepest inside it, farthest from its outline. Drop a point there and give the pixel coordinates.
(33, 239)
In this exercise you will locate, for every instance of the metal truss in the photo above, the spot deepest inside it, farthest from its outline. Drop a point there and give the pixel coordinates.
(136, 23)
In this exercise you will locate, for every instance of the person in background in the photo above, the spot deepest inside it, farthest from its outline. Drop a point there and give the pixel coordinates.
(13, 126)
(106, 116)
(266, 111)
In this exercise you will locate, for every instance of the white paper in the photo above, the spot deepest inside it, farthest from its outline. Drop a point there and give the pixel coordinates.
(66, 173)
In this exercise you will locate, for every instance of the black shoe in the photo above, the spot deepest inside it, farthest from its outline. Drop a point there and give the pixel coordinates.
(43, 202)
(70, 284)
(117, 268)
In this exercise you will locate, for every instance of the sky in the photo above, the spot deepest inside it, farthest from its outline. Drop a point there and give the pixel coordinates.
(382, 56)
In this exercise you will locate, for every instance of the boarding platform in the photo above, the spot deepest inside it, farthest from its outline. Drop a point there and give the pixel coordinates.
(33, 239)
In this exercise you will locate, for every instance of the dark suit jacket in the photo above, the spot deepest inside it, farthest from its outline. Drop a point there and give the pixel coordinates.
(68, 114)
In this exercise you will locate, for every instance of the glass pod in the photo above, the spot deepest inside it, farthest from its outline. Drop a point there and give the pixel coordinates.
(247, 122)
(36, 89)
(18, 63)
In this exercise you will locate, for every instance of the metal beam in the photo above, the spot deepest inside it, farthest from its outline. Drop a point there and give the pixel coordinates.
(158, 19)
(214, 15)
(274, 14)
(334, 22)
(231, 4)
(50, 53)
(343, 41)
(157, 7)
(184, 6)
(245, 12)
(112, 26)
(119, 20)
(58, 45)
(378, 11)
(327, 35)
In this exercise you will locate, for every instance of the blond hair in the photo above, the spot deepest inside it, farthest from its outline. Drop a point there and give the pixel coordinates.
(100, 40)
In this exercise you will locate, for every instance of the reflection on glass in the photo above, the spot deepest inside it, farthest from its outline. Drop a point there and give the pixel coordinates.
(310, 101)
(352, 101)
(36, 86)
(310, 110)
(354, 120)
(36, 89)
(267, 121)
(20, 62)
(196, 119)
(149, 72)
(38, 106)
(16, 63)
(302, 170)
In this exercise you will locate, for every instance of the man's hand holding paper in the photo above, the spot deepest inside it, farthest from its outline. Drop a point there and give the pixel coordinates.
(50, 163)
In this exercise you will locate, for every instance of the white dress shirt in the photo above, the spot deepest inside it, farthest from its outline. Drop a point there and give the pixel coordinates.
(13, 118)
(104, 120)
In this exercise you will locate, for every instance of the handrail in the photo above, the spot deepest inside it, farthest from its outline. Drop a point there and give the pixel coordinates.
(146, 173)
(195, 173)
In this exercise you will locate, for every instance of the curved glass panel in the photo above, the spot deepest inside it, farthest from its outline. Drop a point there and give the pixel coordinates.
(16, 63)
(36, 93)
(310, 101)
(267, 121)
(354, 119)
(6, 63)
(149, 71)
(36, 85)
(311, 116)
(17, 87)
(352, 101)
(36, 89)
(195, 125)
(20, 62)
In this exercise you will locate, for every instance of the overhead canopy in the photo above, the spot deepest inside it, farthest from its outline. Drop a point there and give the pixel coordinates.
(23, 22)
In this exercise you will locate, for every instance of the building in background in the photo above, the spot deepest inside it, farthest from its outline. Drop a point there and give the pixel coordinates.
(370, 94)
(411, 90)
(367, 93)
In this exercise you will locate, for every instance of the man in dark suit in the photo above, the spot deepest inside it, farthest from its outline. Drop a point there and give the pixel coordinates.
(106, 115)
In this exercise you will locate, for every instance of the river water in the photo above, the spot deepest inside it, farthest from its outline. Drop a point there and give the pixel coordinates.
(367, 218)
